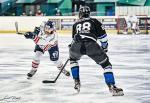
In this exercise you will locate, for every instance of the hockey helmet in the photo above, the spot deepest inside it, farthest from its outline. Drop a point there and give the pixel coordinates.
(84, 12)
(49, 27)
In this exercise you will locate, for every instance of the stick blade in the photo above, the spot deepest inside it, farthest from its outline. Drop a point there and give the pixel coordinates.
(48, 81)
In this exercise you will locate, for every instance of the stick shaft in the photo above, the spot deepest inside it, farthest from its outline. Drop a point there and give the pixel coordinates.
(62, 69)
(54, 81)
(17, 31)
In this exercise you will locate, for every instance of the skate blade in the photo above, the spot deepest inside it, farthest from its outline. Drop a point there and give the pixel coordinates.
(118, 94)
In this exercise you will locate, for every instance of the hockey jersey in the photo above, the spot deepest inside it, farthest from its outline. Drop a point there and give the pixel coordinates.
(88, 28)
(45, 41)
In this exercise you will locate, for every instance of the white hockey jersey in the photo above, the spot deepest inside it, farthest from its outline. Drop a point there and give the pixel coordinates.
(132, 19)
(46, 41)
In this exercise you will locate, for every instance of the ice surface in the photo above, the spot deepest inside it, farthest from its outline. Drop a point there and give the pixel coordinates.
(129, 55)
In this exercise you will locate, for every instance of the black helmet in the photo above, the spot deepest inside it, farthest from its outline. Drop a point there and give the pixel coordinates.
(49, 24)
(84, 12)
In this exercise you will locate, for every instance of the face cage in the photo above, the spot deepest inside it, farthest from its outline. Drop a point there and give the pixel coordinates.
(81, 15)
(48, 30)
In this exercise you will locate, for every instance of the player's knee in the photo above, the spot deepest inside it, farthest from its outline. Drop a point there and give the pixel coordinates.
(105, 63)
(73, 63)
(37, 56)
(36, 59)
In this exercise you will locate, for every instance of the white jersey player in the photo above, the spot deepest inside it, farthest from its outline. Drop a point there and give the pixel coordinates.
(132, 22)
(46, 39)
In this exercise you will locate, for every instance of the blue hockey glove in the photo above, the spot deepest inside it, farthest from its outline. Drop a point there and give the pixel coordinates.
(29, 35)
(104, 46)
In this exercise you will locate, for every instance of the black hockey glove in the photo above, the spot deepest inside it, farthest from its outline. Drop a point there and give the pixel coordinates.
(36, 30)
(104, 46)
(69, 46)
(29, 35)
(77, 38)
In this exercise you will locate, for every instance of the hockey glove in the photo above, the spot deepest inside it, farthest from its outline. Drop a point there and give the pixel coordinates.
(36, 30)
(29, 35)
(69, 46)
(77, 38)
(104, 46)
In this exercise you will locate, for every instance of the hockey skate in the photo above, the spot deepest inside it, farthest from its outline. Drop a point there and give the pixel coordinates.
(77, 85)
(31, 73)
(115, 90)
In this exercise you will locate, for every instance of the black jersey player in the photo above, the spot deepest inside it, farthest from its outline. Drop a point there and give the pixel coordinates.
(86, 32)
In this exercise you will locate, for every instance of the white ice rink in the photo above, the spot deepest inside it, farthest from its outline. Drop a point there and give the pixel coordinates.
(129, 55)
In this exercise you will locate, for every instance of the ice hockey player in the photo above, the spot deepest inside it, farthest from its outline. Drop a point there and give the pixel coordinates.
(86, 32)
(132, 23)
(46, 39)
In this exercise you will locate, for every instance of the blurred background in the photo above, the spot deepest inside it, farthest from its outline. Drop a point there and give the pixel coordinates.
(64, 13)
(70, 7)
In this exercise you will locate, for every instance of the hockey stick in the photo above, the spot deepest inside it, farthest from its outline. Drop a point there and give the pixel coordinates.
(17, 31)
(53, 81)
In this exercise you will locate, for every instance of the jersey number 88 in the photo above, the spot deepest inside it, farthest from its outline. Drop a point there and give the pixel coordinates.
(80, 28)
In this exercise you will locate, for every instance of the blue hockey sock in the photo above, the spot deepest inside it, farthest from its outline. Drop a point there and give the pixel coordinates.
(109, 78)
(75, 72)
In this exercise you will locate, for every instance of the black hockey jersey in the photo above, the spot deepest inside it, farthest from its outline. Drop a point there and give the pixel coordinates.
(88, 28)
